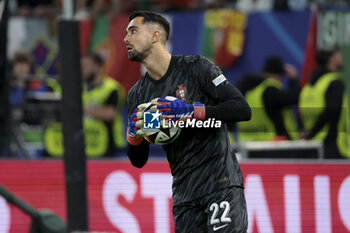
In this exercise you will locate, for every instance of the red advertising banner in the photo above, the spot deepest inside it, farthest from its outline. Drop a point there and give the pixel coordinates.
(281, 197)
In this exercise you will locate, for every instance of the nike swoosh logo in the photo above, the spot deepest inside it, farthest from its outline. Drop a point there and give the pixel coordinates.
(215, 228)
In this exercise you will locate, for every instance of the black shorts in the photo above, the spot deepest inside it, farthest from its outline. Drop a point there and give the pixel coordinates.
(222, 211)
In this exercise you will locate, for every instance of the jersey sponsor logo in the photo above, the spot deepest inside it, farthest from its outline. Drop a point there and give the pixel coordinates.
(181, 92)
(219, 79)
(151, 120)
(215, 228)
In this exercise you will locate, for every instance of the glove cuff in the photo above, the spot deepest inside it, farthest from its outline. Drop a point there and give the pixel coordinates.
(199, 111)
(134, 141)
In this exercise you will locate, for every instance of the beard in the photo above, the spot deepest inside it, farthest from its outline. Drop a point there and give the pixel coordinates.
(139, 56)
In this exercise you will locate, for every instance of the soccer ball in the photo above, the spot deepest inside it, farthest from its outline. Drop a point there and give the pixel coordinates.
(162, 135)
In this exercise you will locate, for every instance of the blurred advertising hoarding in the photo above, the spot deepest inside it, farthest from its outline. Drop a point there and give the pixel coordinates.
(281, 197)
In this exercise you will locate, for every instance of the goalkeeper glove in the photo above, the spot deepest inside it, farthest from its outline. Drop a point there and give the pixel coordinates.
(134, 131)
(177, 110)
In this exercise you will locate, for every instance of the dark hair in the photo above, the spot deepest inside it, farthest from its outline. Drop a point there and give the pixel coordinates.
(21, 57)
(323, 55)
(274, 65)
(96, 58)
(149, 16)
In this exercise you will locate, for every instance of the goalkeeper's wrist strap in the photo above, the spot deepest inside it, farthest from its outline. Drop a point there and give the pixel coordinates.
(134, 141)
(199, 111)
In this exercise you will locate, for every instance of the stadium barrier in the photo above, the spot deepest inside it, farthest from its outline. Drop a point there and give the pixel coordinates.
(281, 197)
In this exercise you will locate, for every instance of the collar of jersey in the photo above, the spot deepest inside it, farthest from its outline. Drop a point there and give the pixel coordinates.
(171, 65)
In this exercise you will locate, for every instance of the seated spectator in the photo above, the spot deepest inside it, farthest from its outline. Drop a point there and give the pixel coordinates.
(22, 80)
(21, 67)
(22, 84)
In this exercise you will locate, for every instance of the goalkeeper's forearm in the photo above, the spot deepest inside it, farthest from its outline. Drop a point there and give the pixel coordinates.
(232, 110)
(138, 155)
(231, 107)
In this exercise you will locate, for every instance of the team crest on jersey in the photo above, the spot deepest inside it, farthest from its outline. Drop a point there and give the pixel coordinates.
(181, 92)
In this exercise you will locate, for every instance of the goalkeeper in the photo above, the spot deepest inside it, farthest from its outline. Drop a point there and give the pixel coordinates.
(207, 181)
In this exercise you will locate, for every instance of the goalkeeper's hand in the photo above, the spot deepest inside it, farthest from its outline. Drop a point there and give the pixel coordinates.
(177, 110)
(135, 124)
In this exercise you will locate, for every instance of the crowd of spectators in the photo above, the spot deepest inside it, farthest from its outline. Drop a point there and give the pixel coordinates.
(270, 103)
(21, 63)
(92, 8)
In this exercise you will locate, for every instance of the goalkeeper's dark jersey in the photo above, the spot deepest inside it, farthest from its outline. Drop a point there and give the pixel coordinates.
(201, 160)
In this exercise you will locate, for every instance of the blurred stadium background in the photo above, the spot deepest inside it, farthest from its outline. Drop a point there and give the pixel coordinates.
(289, 185)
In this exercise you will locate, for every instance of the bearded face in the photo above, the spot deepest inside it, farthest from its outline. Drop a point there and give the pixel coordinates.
(138, 55)
(138, 40)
